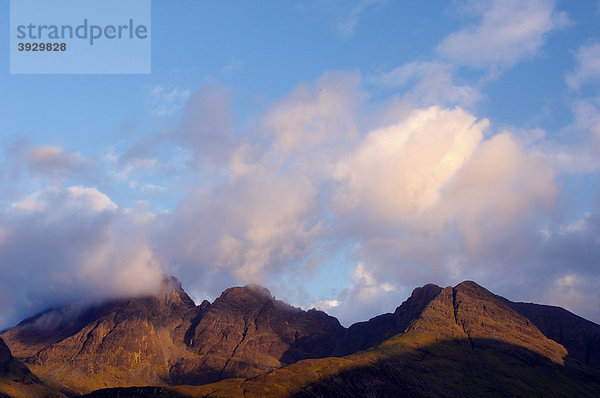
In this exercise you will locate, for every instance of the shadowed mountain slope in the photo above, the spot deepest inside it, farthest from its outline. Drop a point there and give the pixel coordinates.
(579, 336)
(17, 381)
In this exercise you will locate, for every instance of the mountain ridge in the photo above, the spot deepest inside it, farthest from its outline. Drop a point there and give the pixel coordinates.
(441, 353)
(168, 340)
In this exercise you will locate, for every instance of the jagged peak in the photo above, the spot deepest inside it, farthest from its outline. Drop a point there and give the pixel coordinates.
(427, 289)
(473, 289)
(253, 295)
(259, 290)
(420, 297)
(171, 282)
(468, 284)
(171, 292)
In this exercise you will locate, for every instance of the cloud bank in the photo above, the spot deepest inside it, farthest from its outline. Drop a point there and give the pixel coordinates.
(412, 188)
(436, 196)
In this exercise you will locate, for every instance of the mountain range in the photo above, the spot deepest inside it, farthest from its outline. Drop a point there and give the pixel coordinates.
(452, 341)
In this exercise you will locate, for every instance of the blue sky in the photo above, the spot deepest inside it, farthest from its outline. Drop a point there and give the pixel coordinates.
(340, 153)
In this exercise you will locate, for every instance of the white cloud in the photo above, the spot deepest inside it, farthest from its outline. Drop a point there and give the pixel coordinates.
(324, 305)
(65, 244)
(581, 154)
(167, 101)
(234, 64)
(74, 198)
(574, 292)
(427, 83)
(367, 296)
(29, 204)
(569, 292)
(257, 224)
(366, 286)
(400, 170)
(123, 169)
(508, 32)
(432, 199)
(90, 197)
(349, 13)
(431, 196)
(152, 188)
(587, 69)
(425, 194)
(496, 193)
(315, 115)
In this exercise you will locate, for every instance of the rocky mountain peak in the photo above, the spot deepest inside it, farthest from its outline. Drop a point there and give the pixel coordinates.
(165, 339)
(419, 298)
(249, 292)
(475, 290)
(171, 292)
(471, 313)
(170, 283)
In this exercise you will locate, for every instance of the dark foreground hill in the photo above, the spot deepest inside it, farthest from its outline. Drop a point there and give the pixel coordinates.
(455, 341)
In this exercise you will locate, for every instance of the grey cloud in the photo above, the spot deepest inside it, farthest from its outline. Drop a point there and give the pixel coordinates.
(419, 195)
(62, 245)
(45, 162)
(54, 161)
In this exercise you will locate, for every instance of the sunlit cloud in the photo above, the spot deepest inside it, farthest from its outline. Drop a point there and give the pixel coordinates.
(402, 168)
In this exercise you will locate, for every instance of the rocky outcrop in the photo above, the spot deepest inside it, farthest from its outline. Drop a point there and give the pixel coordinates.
(167, 340)
(246, 332)
(485, 316)
(456, 341)
(363, 335)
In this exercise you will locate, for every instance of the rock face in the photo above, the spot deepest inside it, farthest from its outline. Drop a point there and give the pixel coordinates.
(246, 332)
(363, 335)
(126, 341)
(167, 339)
(443, 342)
(17, 381)
(425, 348)
(484, 316)
(467, 311)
